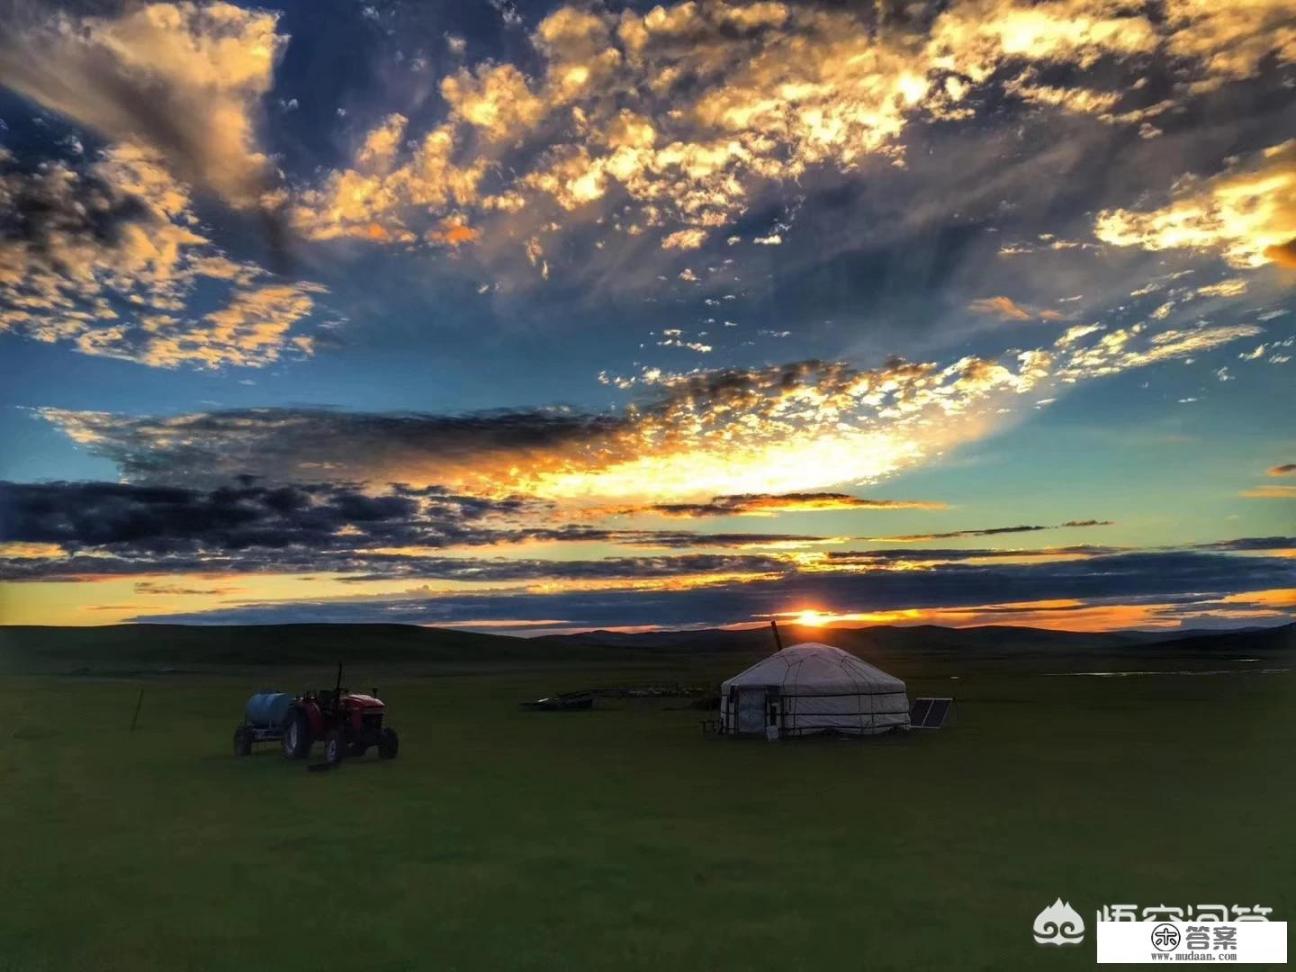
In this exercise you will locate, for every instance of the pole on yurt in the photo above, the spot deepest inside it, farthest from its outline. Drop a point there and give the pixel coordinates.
(777, 640)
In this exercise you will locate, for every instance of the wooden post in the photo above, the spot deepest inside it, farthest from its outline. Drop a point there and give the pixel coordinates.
(139, 702)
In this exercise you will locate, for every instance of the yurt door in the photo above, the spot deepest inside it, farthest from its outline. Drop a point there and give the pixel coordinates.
(751, 710)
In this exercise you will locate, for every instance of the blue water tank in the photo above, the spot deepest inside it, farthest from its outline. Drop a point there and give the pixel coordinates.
(267, 709)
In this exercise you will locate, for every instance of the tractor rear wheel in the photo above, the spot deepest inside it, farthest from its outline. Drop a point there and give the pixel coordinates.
(297, 735)
(334, 748)
(242, 741)
(388, 744)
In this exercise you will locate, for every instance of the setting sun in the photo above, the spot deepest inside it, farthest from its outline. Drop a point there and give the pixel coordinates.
(812, 619)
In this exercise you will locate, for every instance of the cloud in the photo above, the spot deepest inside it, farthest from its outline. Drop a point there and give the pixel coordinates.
(685, 239)
(1230, 42)
(1233, 287)
(1247, 213)
(764, 504)
(1007, 309)
(1270, 492)
(689, 538)
(874, 559)
(795, 428)
(789, 428)
(250, 330)
(1137, 347)
(183, 79)
(320, 517)
(1001, 307)
(1183, 577)
(1251, 543)
(109, 258)
(92, 529)
(676, 120)
(989, 531)
(1283, 254)
(1287, 469)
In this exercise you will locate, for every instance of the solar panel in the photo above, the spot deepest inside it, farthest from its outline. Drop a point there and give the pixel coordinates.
(938, 714)
(929, 713)
(919, 712)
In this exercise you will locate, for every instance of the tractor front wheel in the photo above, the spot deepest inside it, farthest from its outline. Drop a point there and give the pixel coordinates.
(388, 744)
(297, 736)
(242, 741)
(334, 748)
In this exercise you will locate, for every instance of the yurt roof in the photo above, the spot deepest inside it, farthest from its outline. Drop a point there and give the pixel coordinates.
(812, 668)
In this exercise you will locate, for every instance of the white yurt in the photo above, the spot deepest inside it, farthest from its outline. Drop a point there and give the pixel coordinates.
(811, 688)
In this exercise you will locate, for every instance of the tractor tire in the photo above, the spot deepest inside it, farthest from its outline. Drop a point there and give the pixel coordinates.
(242, 741)
(334, 748)
(297, 735)
(388, 744)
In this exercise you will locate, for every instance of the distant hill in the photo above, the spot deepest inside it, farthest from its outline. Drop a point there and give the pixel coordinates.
(173, 646)
(1259, 641)
(916, 638)
(129, 649)
(935, 639)
(929, 648)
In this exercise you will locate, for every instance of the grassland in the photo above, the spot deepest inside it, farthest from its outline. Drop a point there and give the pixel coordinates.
(623, 838)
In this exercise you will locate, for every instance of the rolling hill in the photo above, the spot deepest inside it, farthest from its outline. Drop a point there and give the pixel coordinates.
(160, 648)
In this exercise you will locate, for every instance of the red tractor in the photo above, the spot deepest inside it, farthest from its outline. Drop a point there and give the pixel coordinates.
(347, 722)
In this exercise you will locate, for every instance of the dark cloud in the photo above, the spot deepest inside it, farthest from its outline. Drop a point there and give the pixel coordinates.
(990, 531)
(690, 538)
(295, 444)
(1152, 577)
(609, 568)
(52, 213)
(1250, 543)
(739, 420)
(157, 588)
(756, 504)
(163, 520)
(1287, 469)
(247, 526)
(107, 529)
(929, 554)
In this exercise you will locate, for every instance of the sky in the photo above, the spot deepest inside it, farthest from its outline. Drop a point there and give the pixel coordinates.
(548, 317)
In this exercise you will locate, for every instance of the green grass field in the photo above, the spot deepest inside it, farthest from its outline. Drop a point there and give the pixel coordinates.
(623, 838)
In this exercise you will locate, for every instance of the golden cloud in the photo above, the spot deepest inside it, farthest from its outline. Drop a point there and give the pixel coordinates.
(1270, 492)
(1135, 347)
(674, 118)
(184, 79)
(1230, 41)
(110, 262)
(1007, 309)
(1283, 254)
(1247, 213)
(749, 437)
